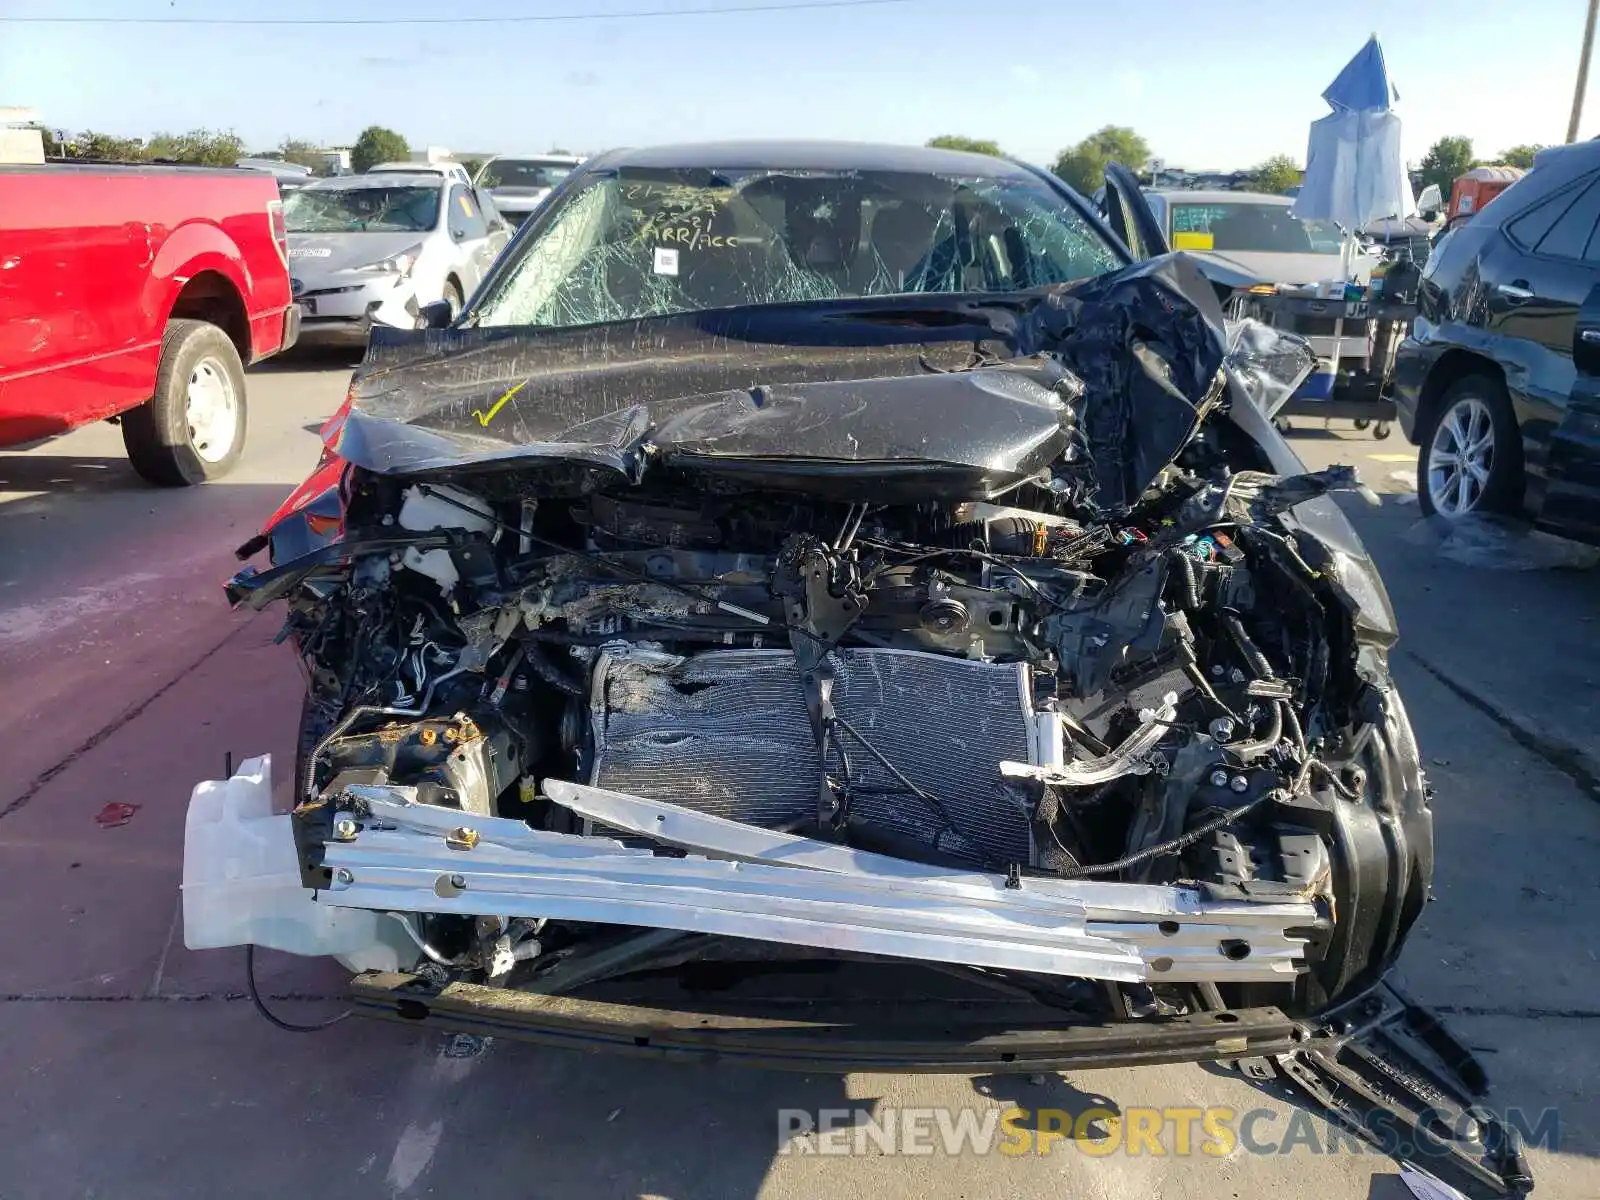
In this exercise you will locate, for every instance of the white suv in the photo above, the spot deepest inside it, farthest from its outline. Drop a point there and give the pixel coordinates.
(450, 170)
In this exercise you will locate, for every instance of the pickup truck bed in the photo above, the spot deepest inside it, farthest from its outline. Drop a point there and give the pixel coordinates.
(139, 293)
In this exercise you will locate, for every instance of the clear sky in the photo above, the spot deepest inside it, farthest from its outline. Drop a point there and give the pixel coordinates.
(1209, 83)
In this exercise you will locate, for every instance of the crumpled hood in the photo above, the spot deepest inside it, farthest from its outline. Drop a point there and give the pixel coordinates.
(842, 397)
(314, 256)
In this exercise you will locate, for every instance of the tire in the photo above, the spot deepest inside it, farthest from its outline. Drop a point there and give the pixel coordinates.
(1472, 407)
(454, 298)
(200, 378)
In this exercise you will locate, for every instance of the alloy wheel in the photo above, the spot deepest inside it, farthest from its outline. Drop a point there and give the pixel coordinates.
(1461, 458)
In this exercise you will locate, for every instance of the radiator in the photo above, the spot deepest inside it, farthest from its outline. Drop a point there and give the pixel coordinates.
(726, 733)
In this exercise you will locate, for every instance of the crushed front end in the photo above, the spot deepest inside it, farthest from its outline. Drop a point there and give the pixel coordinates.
(998, 639)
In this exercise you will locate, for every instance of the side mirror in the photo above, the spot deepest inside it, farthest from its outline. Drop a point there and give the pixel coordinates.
(434, 315)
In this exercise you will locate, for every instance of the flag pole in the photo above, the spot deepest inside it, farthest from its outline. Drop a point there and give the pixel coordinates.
(1583, 72)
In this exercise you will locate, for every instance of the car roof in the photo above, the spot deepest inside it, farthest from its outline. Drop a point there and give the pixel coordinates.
(275, 165)
(1219, 197)
(571, 160)
(391, 168)
(780, 155)
(383, 179)
(1577, 154)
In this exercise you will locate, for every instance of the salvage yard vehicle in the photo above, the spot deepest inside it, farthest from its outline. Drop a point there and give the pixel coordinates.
(290, 176)
(813, 550)
(137, 294)
(1500, 381)
(1252, 232)
(362, 246)
(453, 171)
(520, 184)
(1269, 264)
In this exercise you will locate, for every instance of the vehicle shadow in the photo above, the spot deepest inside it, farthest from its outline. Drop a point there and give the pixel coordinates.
(1389, 1187)
(67, 472)
(312, 358)
(1067, 1104)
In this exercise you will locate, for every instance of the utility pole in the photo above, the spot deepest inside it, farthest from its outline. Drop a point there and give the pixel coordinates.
(1583, 72)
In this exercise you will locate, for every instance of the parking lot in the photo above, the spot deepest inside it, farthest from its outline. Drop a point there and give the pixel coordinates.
(138, 1069)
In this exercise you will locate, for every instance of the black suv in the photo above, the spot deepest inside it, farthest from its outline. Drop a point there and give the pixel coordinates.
(1499, 382)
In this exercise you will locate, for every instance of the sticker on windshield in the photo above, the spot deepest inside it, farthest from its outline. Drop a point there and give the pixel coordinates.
(666, 261)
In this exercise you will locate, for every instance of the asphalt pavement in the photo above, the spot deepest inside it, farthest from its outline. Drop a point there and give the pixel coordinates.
(135, 1068)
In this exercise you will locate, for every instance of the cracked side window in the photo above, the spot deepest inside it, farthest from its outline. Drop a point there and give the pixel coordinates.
(640, 244)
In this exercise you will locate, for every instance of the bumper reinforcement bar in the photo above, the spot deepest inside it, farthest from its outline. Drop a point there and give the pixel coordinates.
(787, 889)
(920, 1038)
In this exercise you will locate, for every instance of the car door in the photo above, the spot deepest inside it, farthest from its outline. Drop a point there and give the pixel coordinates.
(1129, 216)
(499, 227)
(476, 244)
(1535, 274)
(1161, 212)
(1571, 505)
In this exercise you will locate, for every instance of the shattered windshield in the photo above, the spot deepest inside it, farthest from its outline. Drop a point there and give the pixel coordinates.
(405, 208)
(523, 173)
(650, 243)
(1244, 226)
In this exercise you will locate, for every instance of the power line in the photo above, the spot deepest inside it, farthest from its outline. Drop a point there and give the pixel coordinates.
(635, 14)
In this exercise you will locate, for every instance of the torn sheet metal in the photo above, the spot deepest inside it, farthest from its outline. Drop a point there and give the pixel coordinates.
(1148, 342)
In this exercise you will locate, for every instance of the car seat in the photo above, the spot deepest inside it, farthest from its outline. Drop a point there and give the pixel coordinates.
(901, 240)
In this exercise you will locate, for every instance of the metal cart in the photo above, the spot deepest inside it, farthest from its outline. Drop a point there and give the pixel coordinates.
(1355, 336)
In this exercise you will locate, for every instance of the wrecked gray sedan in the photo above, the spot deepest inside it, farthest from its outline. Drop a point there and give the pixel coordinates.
(850, 554)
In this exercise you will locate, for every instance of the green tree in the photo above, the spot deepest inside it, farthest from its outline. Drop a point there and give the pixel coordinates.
(203, 146)
(1276, 175)
(1083, 166)
(106, 147)
(1520, 156)
(375, 145)
(473, 166)
(1446, 159)
(954, 141)
(302, 153)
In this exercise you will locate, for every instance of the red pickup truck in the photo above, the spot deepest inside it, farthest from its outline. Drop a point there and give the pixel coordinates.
(138, 294)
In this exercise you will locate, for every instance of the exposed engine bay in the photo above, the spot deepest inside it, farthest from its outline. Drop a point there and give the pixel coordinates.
(966, 617)
(962, 684)
(1008, 641)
